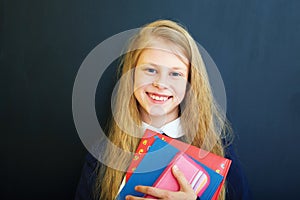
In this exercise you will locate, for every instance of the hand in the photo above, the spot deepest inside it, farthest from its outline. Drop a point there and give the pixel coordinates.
(186, 192)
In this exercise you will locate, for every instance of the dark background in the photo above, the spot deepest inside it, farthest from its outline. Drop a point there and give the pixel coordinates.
(255, 45)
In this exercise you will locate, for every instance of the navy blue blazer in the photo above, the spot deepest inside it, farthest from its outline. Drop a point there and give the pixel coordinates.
(236, 181)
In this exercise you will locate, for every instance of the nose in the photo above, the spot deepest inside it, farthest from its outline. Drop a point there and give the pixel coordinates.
(161, 81)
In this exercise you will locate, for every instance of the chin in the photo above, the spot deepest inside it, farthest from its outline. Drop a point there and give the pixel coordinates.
(155, 112)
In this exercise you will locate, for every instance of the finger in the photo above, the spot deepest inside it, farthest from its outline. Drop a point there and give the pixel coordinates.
(184, 184)
(130, 197)
(155, 192)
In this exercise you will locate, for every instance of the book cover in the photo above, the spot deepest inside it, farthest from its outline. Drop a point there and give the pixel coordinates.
(217, 163)
(196, 176)
(154, 162)
(160, 154)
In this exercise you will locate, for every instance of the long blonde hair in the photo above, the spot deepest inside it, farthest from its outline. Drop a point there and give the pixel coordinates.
(200, 115)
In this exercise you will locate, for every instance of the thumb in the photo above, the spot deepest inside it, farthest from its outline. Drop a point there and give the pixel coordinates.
(183, 183)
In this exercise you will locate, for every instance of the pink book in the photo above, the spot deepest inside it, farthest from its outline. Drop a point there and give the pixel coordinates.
(194, 173)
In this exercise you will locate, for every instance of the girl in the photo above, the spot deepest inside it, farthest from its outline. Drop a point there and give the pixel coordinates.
(168, 91)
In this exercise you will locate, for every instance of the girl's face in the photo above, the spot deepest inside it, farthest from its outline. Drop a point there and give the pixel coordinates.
(160, 84)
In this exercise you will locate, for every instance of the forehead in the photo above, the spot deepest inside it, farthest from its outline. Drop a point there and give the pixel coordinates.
(162, 56)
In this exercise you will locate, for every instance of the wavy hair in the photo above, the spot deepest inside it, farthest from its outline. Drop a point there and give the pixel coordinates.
(204, 124)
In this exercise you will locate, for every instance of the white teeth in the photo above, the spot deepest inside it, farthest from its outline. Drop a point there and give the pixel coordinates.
(157, 98)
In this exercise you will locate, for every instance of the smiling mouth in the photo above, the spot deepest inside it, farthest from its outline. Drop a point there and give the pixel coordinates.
(157, 97)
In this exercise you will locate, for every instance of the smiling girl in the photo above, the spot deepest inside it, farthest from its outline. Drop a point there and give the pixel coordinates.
(160, 82)
(166, 82)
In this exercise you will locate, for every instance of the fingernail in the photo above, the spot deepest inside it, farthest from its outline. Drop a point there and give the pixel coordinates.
(175, 167)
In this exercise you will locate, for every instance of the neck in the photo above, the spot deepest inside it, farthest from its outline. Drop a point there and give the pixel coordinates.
(158, 121)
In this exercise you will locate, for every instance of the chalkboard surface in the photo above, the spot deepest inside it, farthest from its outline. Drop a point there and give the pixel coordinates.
(255, 45)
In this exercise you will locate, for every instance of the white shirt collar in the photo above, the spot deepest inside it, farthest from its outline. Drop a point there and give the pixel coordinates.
(172, 129)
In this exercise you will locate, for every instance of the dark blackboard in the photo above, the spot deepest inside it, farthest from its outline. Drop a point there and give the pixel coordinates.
(255, 45)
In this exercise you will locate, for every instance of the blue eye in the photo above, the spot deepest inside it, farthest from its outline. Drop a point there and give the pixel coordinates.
(151, 70)
(175, 74)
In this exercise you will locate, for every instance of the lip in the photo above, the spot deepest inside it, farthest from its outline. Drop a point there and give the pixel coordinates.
(158, 98)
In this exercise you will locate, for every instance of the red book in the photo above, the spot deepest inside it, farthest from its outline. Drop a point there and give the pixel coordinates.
(194, 173)
(217, 163)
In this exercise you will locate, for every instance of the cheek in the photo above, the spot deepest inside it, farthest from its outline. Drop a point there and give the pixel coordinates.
(139, 86)
(140, 80)
(180, 89)
(136, 81)
(139, 95)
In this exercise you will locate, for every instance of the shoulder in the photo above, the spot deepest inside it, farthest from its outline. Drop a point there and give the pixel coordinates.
(87, 180)
(236, 182)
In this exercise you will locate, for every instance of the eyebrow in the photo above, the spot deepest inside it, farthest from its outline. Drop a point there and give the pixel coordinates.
(179, 68)
(156, 65)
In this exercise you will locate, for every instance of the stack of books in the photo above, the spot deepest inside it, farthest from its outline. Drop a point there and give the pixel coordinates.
(157, 154)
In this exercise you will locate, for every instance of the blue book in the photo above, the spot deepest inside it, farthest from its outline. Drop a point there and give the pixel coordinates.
(160, 154)
(215, 180)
